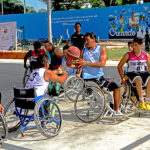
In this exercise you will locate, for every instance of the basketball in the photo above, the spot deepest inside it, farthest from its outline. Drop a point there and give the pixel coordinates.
(73, 52)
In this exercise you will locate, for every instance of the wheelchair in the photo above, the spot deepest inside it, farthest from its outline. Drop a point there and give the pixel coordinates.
(3, 127)
(130, 97)
(72, 86)
(26, 75)
(94, 101)
(26, 107)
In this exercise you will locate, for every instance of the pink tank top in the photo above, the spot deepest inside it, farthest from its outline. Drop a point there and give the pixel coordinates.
(135, 63)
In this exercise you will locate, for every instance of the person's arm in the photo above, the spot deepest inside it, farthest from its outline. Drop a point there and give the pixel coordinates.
(79, 72)
(148, 62)
(1, 109)
(100, 63)
(26, 57)
(120, 65)
(53, 76)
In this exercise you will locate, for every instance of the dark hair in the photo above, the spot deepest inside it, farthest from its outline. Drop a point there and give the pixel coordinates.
(42, 60)
(138, 40)
(91, 35)
(47, 41)
(78, 23)
(130, 42)
(37, 44)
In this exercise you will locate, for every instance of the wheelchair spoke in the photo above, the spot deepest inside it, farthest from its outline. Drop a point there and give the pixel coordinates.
(49, 121)
(90, 104)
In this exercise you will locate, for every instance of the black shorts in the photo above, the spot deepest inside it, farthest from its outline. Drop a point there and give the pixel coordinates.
(145, 76)
(108, 83)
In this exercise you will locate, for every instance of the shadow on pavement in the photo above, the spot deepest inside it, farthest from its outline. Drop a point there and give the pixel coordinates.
(13, 147)
(137, 143)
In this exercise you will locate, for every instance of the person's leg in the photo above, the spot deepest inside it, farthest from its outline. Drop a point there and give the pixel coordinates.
(57, 88)
(115, 86)
(138, 84)
(139, 89)
(137, 79)
(147, 99)
(50, 88)
(117, 98)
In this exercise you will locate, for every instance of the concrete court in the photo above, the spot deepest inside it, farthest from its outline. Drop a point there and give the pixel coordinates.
(133, 133)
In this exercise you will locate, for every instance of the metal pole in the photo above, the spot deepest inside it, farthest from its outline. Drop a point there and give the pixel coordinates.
(2, 7)
(24, 6)
(49, 20)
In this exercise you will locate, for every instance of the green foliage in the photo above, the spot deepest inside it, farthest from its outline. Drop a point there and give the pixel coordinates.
(42, 10)
(77, 4)
(97, 3)
(15, 7)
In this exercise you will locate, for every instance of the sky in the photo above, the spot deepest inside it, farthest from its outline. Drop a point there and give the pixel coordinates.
(35, 3)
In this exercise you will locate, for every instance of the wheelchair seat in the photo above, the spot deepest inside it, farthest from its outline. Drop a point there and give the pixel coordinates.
(24, 98)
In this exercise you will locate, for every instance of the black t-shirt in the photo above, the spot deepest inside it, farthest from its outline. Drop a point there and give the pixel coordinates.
(78, 40)
(55, 61)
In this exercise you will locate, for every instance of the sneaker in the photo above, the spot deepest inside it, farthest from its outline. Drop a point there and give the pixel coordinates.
(147, 104)
(118, 113)
(142, 106)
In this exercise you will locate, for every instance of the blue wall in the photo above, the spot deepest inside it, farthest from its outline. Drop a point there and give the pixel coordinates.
(107, 22)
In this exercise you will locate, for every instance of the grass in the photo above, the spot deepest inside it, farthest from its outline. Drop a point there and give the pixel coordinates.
(116, 54)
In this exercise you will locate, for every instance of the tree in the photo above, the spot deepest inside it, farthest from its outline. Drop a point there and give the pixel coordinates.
(125, 2)
(42, 10)
(15, 7)
(97, 3)
(77, 4)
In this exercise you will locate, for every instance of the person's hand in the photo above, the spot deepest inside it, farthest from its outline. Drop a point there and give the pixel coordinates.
(1, 109)
(123, 80)
(25, 66)
(60, 70)
(78, 75)
(81, 62)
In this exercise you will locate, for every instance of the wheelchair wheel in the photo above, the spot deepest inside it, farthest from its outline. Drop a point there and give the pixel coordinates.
(90, 104)
(26, 75)
(48, 118)
(3, 128)
(73, 86)
(11, 116)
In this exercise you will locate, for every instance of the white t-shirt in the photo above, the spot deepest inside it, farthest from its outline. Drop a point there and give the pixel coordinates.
(37, 81)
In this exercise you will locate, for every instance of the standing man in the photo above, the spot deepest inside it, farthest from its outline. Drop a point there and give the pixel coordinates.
(77, 39)
(93, 62)
(55, 56)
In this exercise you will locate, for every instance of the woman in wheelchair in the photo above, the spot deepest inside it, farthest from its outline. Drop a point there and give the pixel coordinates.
(40, 77)
(136, 71)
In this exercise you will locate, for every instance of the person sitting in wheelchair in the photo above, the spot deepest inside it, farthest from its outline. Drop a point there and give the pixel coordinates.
(33, 54)
(136, 71)
(41, 76)
(92, 62)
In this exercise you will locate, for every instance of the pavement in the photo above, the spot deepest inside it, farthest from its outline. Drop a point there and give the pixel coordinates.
(125, 134)
(108, 63)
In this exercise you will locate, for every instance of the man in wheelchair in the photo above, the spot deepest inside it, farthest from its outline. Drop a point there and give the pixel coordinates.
(93, 61)
(41, 76)
(137, 60)
(33, 54)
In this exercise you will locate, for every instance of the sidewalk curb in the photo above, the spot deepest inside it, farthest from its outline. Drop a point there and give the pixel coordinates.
(12, 55)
